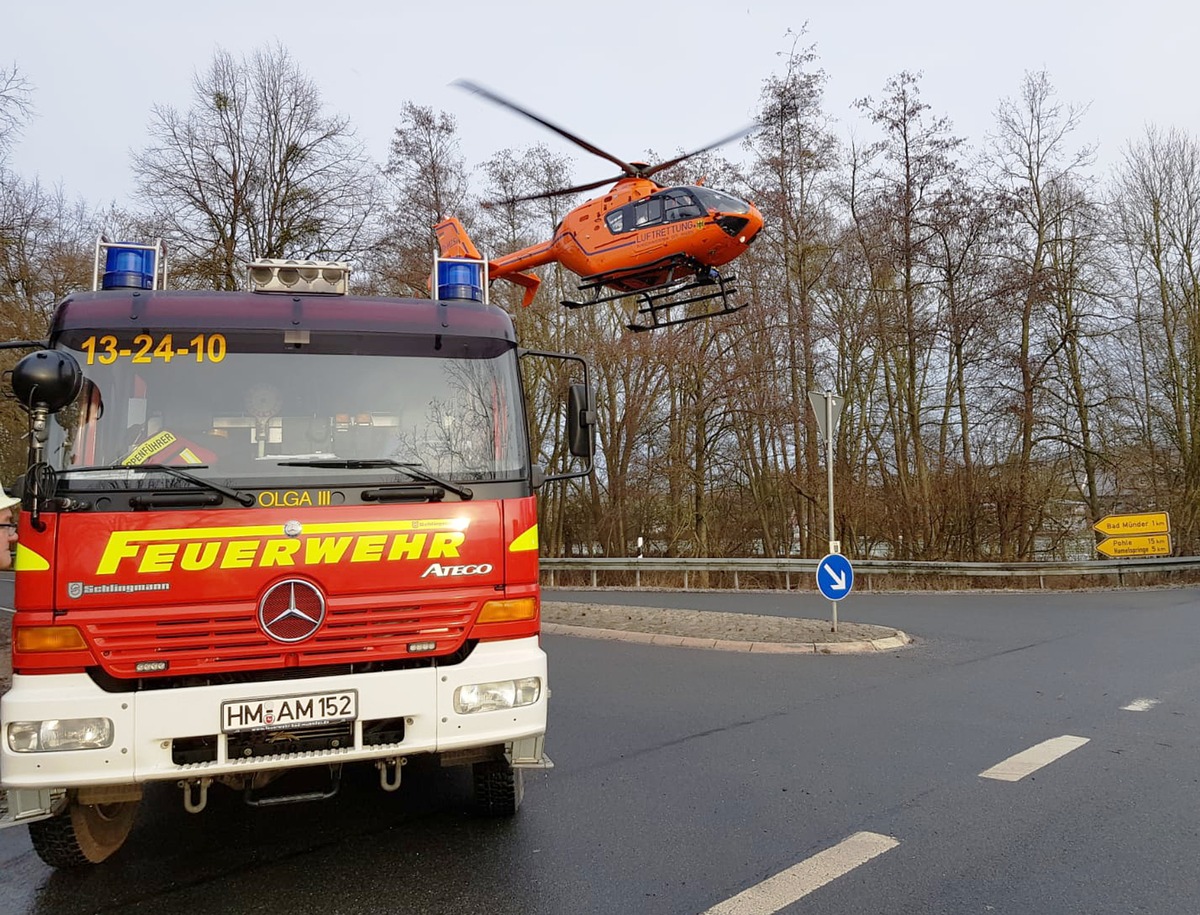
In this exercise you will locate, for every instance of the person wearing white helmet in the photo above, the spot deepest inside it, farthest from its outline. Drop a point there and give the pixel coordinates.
(8, 528)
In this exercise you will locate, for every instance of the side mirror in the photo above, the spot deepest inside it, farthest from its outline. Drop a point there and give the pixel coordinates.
(43, 383)
(581, 421)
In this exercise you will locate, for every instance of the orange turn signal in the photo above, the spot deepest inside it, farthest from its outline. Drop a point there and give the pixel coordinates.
(507, 611)
(49, 638)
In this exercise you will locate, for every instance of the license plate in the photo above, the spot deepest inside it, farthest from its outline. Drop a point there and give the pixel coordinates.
(282, 713)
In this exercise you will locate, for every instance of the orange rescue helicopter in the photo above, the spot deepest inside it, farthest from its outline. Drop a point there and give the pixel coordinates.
(662, 245)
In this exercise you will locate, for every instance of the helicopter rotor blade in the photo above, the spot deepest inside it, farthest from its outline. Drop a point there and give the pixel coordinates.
(578, 141)
(559, 192)
(736, 135)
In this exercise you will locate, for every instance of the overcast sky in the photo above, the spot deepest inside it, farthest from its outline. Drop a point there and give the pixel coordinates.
(629, 75)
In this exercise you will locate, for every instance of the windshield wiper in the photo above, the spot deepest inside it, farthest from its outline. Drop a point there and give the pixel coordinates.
(244, 498)
(412, 468)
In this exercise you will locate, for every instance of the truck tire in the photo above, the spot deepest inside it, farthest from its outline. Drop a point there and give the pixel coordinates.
(83, 833)
(498, 788)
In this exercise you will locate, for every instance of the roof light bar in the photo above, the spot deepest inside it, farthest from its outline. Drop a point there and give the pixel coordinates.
(308, 277)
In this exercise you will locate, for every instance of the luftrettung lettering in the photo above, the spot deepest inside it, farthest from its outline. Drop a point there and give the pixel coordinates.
(265, 546)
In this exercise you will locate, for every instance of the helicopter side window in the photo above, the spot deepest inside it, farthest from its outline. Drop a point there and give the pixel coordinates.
(620, 220)
(648, 212)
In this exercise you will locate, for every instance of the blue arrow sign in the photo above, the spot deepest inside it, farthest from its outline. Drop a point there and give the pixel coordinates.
(835, 576)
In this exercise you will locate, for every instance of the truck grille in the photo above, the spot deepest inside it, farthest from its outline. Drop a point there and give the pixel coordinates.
(211, 642)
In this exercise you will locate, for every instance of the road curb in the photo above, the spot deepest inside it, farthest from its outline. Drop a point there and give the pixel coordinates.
(899, 640)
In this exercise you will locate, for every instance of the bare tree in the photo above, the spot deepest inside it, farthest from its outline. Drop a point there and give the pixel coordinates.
(1081, 320)
(795, 155)
(1032, 160)
(255, 168)
(1157, 206)
(429, 182)
(963, 257)
(45, 254)
(15, 106)
(907, 183)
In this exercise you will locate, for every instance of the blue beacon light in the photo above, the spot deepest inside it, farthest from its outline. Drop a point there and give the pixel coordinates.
(458, 279)
(128, 267)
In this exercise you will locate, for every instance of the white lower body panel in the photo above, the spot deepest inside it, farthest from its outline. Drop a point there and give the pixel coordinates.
(145, 723)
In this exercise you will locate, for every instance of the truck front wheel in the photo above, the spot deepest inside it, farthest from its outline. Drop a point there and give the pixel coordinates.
(83, 833)
(498, 788)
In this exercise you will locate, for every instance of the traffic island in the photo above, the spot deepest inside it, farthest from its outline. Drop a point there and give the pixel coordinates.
(718, 631)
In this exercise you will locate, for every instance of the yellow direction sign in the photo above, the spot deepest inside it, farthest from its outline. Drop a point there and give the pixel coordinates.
(1134, 524)
(1137, 545)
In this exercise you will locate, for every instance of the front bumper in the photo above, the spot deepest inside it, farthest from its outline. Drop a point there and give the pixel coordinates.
(146, 723)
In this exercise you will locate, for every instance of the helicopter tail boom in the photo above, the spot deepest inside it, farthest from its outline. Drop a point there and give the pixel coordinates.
(453, 241)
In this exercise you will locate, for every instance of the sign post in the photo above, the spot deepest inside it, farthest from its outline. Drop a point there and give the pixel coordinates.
(835, 579)
(828, 408)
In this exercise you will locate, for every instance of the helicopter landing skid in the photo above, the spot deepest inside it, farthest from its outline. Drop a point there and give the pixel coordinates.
(656, 301)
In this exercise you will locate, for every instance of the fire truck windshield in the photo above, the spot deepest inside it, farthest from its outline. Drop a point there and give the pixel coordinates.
(266, 408)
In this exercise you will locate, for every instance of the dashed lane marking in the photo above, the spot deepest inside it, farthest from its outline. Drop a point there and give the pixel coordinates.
(1028, 761)
(799, 880)
(1140, 705)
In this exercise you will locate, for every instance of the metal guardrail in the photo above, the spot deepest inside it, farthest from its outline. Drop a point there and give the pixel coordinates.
(863, 567)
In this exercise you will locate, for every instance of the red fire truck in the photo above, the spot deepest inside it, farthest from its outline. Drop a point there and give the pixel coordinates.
(269, 533)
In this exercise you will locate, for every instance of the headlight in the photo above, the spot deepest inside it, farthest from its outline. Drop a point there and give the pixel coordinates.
(497, 695)
(60, 734)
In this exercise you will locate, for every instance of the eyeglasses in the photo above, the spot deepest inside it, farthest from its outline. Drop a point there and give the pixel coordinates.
(11, 527)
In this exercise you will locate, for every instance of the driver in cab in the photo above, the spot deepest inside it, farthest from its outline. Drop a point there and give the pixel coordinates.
(168, 448)
(166, 445)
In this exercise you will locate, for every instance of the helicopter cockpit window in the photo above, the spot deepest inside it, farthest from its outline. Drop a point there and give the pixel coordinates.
(720, 201)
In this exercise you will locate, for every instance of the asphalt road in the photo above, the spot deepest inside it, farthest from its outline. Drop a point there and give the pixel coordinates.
(687, 777)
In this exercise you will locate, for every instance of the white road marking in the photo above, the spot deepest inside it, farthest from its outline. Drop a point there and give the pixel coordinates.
(799, 880)
(1140, 705)
(1017, 767)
